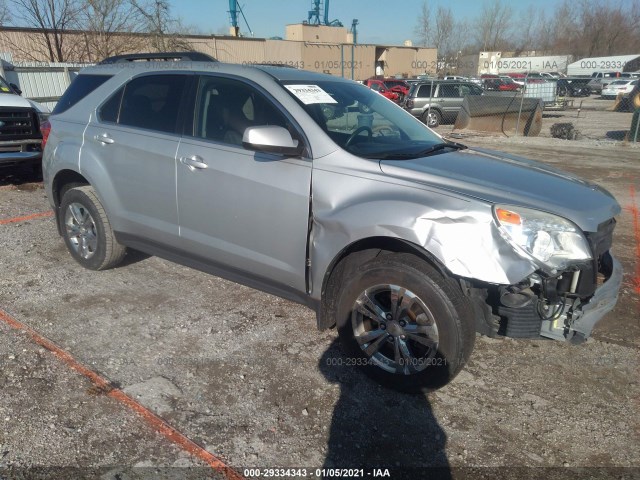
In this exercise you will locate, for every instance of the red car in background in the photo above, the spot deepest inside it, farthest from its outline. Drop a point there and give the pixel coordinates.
(500, 85)
(392, 88)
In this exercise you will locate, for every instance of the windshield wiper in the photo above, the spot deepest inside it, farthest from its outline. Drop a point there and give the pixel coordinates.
(442, 146)
(422, 153)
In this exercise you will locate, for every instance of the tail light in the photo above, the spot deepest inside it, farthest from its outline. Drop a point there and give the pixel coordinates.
(45, 130)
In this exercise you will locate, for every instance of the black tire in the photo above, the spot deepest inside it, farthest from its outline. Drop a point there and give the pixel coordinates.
(92, 228)
(424, 369)
(432, 118)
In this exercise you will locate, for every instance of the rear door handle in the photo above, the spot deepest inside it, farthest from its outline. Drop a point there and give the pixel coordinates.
(194, 162)
(104, 138)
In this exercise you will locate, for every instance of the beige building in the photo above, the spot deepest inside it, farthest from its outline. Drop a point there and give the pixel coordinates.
(329, 53)
(304, 32)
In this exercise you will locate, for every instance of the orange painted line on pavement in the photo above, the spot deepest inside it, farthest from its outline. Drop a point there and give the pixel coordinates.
(27, 217)
(105, 386)
(635, 213)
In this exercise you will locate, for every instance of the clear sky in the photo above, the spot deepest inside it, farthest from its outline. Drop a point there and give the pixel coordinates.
(381, 21)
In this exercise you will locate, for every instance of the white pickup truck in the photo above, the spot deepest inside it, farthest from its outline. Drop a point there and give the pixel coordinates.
(20, 119)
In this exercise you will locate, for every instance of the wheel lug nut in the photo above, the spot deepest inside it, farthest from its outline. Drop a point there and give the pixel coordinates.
(383, 326)
(403, 323)
(403, 337)
(389, 317)
(391, 339)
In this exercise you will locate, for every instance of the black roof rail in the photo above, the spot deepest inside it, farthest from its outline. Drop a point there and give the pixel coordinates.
(166, 56)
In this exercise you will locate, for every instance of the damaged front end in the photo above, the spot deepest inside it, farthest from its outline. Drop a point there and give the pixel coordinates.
(576, 284)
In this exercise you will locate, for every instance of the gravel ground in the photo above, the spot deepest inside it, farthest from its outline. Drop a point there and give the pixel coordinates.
(247, 376)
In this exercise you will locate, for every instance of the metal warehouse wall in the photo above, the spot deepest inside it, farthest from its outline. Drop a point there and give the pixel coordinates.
(44, 83)
(230, 50)
(281, 51)
(340, 60)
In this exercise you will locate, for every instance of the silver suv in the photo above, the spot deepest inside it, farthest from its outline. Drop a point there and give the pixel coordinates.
(319, 190)
(439, 101)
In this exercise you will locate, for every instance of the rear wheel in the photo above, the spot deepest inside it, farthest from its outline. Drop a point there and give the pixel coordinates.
(87, 231)
(409, 327)
(432, 118)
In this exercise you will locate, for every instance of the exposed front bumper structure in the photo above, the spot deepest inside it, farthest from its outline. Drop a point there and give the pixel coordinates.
(577, 324)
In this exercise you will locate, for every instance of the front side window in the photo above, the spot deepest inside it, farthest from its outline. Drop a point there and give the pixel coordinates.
(225, 108)
(362, 122)
(448, 91)
(153, 102)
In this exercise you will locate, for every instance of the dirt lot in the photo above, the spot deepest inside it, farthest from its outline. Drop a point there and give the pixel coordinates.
(247, 377)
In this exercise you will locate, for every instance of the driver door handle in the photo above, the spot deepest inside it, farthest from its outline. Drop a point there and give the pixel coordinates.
(193, 162)
(104, 138)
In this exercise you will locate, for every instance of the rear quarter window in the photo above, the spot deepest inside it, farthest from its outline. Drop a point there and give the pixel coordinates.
(80, 87)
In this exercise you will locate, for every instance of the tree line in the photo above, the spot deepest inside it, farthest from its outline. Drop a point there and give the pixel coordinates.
(104, 27)
(582, 28)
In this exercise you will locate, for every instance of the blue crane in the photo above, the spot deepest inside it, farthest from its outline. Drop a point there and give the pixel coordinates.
(314, 14)
(234, 11)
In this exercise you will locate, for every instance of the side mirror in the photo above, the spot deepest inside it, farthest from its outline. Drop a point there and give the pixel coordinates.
(16, 88)
(271, 139)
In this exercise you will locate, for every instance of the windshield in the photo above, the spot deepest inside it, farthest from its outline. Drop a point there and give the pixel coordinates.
(4, 86)
(362, 121)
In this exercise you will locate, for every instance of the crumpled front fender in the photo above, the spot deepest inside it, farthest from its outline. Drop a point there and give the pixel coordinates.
(459, 232)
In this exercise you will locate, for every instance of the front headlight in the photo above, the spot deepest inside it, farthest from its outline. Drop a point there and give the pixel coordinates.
(551, 240)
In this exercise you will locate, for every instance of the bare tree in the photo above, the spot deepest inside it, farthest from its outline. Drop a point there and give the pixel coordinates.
(161, 25)
(441, 37)
(443, 30)
(110, 27)
(597, 28)
(422, 30)
(494, 26)
(5, 16)
(528, 34)
(53, 18)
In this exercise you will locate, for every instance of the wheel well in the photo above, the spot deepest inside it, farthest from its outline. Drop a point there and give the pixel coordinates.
(63, 180)
(356, 254)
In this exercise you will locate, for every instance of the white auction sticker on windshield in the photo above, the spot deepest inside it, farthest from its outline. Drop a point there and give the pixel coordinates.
(309, 94)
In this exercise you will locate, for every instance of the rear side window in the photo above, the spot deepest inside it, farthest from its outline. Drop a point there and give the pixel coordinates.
(425, 91)
(111, 108)
(153, 102)
(81, 86)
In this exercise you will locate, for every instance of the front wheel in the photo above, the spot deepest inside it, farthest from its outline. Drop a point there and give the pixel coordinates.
(87, 231)
(409, 327)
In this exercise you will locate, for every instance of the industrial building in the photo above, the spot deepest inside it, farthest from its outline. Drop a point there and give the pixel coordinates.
(330, 49)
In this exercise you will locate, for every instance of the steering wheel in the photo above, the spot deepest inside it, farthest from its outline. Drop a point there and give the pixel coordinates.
(356, 132)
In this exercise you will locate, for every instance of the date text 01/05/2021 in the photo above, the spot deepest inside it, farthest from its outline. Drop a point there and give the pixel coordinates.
(317, 473)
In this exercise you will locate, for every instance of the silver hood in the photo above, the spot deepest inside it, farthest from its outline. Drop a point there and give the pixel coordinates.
(497, 177)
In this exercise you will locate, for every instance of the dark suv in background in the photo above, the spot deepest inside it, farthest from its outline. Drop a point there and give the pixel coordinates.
(439, 101)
